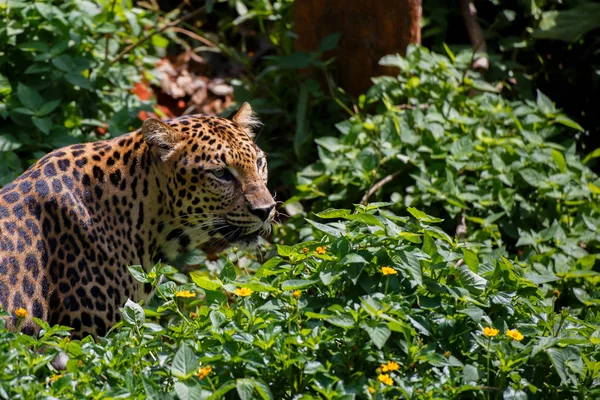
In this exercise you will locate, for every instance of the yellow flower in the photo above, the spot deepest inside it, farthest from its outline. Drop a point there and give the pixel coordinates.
(388, 271)
(193, 315)
(321, 250)
(204, 371)
(21, 313)
(185, 293)
(54, 378)
(305, 250)
(243, 292)
(491, 332)
(385, 379)
(515, 334)
(390, 366)
(371, 390)
(297, 294)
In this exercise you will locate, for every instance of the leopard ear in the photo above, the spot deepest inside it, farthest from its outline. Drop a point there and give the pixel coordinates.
(161, 138)
(245, 119)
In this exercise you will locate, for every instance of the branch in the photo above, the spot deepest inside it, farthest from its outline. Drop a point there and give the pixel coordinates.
(469, 13)
(194, 35)
(378, 185)
(161, 29)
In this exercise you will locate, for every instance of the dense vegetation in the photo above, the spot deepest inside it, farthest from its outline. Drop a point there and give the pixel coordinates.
(441, 243)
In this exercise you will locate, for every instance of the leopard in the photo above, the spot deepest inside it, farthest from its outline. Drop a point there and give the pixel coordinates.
(73, 222)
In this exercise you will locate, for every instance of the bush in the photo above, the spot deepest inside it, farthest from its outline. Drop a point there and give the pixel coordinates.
(456, 148)
(58, 82)
(374, 306)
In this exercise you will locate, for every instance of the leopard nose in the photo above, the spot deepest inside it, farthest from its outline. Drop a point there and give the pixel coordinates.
(262, 212)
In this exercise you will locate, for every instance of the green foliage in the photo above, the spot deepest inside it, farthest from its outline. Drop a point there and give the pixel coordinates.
(57, 81)
(291, 91)
(569, 25)
(322, 318)
(456, 148)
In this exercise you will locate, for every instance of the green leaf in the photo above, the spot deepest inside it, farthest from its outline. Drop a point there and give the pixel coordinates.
(29, 97)
(43, 124)
(566, 121)
(379, 332)
(138, 273)
(328, 229)
(76, 79)
(160, 41)
(437, 233)
(332, 213)
(449, 53)
(353, 258)
(566, 361)
(5, 88)
(296, 284)
(559, 160)
(343, 321)
(9, 143)
(185, 363)
(532, 177)
(421, 216)
(228, 273)
(411, 264)
(330, 42)
(133, 314)
(545, 104)
(471, 281)
(284, 251)
(593, 188)
(245, 388)
(205, 282)
(470, 258)
(592, 155)
(263, 390)
(569, 25)
(222, 390)
(395, 60)
(47, 108)
(190, 391)
(267, 267)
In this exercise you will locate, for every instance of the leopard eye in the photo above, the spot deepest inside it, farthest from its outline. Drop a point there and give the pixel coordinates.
(222, 174)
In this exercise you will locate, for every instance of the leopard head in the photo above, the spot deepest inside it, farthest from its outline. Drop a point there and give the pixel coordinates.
(214, 178)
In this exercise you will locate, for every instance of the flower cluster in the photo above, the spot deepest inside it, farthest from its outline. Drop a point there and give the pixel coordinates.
(388, 271)
(390, 366)
(21, 313)
(490, 332)
(185, 294)
(511, 333)
(514, 334)
(385, 379)
(243, 292)
(384, 376)
(321, 250)
(204, 372)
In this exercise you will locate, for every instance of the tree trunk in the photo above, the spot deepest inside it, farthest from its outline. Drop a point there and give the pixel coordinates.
(370, 30)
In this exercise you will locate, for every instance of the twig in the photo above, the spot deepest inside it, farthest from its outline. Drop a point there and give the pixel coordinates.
(378, 185)
(469, 13)
(161, 29)
(411, 107)
(194, 35)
